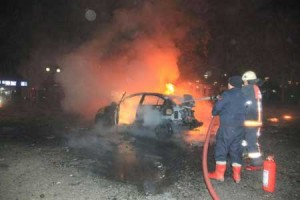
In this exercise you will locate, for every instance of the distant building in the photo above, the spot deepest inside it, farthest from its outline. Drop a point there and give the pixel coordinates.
(12, 89)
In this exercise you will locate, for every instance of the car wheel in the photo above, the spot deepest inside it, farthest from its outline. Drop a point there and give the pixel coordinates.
(164, 131)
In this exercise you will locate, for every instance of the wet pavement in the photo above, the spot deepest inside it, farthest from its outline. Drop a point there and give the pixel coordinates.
(65, 159)
(146, 162)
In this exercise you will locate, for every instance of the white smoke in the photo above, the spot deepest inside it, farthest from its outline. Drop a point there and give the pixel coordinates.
(152, 117)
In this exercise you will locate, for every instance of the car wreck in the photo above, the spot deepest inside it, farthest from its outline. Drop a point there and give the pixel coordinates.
(163, 114)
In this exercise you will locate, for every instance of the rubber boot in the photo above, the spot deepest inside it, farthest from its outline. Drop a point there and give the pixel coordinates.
(236, 173)
(255, 164)
(218, 174)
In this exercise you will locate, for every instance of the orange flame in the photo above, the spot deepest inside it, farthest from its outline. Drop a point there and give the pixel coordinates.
(170, 88)
(287, 117)
(128, 110)
(274, 120)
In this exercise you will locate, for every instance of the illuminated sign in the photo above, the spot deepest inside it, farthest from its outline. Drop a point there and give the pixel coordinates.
(7, 83)
(24, 83)
(13, 83)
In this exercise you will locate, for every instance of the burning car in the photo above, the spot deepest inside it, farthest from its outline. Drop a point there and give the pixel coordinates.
(164, 114)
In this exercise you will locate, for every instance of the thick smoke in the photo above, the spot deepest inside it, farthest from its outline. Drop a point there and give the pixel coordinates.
(136, 52)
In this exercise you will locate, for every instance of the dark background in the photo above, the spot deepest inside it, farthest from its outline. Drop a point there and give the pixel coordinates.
(262, 35)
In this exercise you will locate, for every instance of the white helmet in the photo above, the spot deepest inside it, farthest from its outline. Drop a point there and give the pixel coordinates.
(249, 75)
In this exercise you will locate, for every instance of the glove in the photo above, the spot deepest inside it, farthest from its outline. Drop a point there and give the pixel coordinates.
(215, 98)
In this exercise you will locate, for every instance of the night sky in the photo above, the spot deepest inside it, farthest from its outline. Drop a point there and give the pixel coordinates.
(263, 35)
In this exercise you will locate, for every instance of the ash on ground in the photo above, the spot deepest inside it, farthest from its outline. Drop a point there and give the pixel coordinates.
(52, 156)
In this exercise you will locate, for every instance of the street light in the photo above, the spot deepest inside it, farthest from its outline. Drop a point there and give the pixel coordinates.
(49, 69)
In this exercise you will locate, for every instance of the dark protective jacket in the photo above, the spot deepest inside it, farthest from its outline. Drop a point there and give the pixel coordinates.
(231, 108)
(253, 96)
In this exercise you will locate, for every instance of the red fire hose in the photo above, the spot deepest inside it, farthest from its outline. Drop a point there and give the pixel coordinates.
(209, 186)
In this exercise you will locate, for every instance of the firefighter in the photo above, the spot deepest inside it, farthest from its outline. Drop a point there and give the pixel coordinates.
(253, 120)
(231, 108)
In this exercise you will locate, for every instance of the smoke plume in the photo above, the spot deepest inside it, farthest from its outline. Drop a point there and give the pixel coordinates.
(136, 52)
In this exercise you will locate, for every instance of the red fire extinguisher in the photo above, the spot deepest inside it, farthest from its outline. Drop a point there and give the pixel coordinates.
(269, 174)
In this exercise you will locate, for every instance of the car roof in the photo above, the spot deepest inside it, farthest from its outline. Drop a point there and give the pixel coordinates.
(149, 93)
(163, 96)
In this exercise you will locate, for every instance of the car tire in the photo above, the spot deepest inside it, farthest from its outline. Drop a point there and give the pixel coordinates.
(164, 131)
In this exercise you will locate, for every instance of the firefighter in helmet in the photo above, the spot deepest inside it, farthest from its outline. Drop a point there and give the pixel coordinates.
(231, 108)
(253, 120)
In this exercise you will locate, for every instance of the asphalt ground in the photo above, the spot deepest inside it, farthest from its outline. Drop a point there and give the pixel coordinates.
(47, 154)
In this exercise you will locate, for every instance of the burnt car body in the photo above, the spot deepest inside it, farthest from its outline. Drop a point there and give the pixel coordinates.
(164, 114)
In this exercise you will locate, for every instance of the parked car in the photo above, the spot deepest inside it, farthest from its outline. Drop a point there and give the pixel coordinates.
(164, 114)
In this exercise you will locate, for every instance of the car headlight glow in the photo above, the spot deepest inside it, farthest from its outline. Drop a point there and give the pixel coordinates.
(169, 111)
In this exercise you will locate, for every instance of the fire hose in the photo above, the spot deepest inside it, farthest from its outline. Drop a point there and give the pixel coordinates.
(209, 186)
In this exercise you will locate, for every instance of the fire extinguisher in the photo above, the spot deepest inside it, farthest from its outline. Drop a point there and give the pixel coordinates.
(269, 174)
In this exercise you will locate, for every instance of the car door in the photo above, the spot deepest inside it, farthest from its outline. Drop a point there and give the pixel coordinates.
(149, 110)
(128, 109)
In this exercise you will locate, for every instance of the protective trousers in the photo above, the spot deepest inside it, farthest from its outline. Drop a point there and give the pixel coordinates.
(228, 141)
(251, 137)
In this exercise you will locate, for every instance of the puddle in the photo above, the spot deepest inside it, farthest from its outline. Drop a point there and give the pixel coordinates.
(150, 165)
